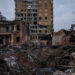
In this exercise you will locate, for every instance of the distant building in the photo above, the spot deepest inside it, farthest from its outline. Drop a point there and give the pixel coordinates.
(2, 17)
(64, 37)
(61, 38)
(39, 15)
(13, 33)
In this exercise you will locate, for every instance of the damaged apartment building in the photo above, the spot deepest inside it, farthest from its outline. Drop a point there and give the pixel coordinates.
(33, 22)
(13, 33)
(39, 15)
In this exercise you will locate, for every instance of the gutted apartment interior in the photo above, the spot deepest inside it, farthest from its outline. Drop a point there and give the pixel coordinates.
(13, 33)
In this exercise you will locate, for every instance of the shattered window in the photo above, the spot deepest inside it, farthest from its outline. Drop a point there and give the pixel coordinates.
(18, 27)
(17, 39)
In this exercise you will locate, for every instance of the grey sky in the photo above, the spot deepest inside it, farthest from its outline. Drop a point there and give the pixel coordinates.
(63, 16)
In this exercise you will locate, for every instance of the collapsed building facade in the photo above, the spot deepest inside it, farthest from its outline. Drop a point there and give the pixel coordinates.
(64, 37)
(13, 33)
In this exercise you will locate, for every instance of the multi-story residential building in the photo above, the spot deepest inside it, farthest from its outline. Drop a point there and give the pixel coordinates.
(39, 15)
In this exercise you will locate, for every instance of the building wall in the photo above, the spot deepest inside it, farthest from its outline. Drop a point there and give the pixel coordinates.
(45, 10)
(45, 15)
(17, 36)
(61, 38)
(21, 35)
(34, 10)
(21, 10)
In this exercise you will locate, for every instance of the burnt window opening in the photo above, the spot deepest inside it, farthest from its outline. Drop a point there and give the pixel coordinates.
(12, 28)
(45, 31)
(40, 5)
(42, 26)
(18, 39)
(45, 26)
(29, 14)
(31, 37)
(46, 37)
(7, 29)
(40, 31)
(21, 9)
(1, 40)
(40, 18)
(17, 15)
(32, 31)
(35, 10)
(21, 19)
(45, 18)
(35, 18)
(21, 14)
(34, 14)
(45, 5)
(18, 27)
(35, 23)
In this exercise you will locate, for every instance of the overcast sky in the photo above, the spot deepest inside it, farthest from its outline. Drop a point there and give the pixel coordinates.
(64, 12)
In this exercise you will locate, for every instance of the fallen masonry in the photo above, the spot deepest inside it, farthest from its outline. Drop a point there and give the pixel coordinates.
(50, 60)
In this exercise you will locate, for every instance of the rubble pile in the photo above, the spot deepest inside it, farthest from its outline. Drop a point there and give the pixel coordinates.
(4, 69)
(39, 60)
